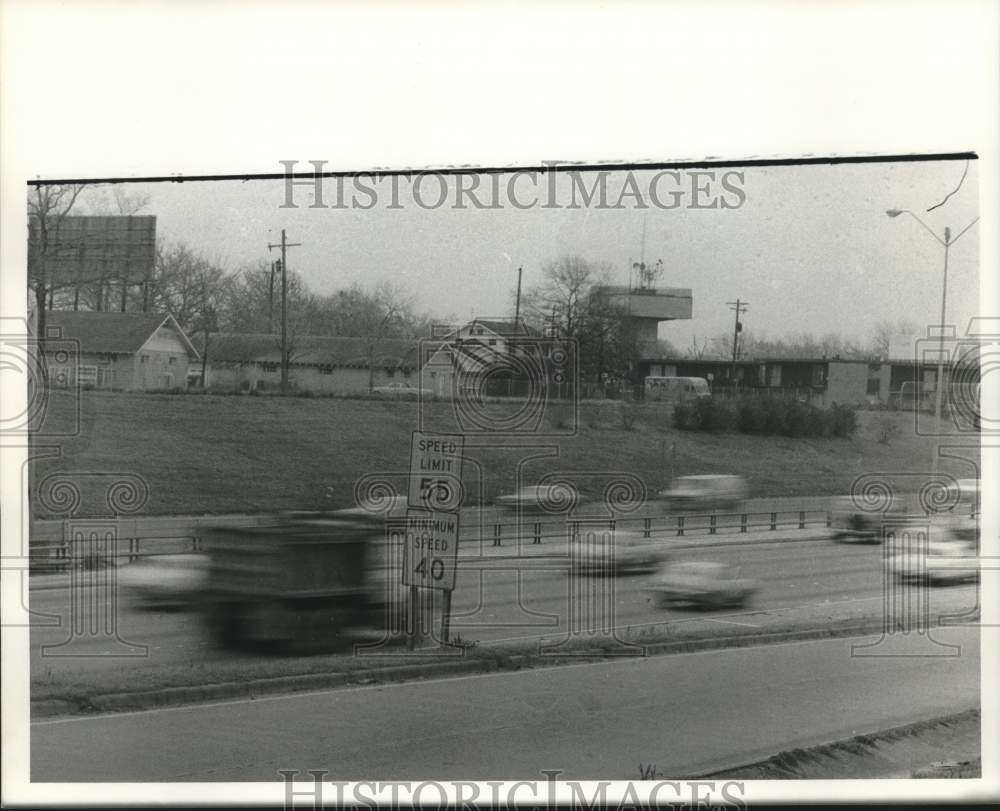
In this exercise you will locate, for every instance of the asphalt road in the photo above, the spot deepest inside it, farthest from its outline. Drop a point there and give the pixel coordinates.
(502, 599)
(683, 714)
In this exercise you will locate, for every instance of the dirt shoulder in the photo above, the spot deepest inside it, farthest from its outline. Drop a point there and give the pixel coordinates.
(946, 747)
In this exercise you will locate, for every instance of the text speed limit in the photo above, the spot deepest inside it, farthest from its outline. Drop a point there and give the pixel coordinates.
(430, 550)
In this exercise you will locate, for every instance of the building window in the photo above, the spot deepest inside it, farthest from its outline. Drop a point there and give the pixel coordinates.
(819, 374)
(172, 360)
(492, 342)
(87, 376)
(144, 359)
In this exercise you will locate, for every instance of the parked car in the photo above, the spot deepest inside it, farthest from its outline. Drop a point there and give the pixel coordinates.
(165, 581)
(401, 391)
(618, 553)
(676, 389)
(848, 522)
(548, 498)
(952, 550)
(712, 585)
(705, 493)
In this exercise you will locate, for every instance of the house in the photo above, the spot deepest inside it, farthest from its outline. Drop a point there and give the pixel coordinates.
(497, 358)
(317, 363)
(109, 350)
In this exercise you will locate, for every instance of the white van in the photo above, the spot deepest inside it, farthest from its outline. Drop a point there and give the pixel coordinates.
(676, 389)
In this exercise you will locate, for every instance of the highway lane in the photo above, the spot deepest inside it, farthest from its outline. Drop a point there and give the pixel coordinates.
(685, 714)
(516, 599)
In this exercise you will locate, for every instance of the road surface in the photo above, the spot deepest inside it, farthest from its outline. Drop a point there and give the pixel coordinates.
(683, 714)
(512, 599)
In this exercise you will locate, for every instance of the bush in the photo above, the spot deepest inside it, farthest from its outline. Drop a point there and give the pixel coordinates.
(687, 417)
(844, 420)
(628, 412)
(752, 416)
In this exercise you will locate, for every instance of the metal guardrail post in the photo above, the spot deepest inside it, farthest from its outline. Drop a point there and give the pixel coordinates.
(802, 519)
(774, 521)
(829, 520)
(680, 525)
(538, 533)
(711, 524)
(497, 530)
(647, 524)
(743, 522)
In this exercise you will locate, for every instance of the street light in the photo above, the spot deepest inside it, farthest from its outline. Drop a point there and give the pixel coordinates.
(947, 242)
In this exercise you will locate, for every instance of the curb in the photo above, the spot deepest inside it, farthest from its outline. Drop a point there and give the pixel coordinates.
(192, 695)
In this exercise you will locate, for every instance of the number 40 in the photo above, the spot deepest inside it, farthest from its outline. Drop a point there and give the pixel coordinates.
(437, 568)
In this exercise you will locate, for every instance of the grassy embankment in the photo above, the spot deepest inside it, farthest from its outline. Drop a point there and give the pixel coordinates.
(212, 454)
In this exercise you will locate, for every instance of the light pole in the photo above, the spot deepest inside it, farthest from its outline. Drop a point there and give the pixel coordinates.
(947, 242)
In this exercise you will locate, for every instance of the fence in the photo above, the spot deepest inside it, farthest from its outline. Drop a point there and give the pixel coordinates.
(59, 545)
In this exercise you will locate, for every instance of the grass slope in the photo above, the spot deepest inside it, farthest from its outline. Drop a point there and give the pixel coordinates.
(213, 454)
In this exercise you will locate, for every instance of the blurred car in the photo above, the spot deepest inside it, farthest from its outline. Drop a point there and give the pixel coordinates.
(965, 493)
(385, 507)
(618, 553)
(952, 550)
(165, 581)
(401, 391)
(705, 492)
(551, 498)
(849, 522)
(713, 585)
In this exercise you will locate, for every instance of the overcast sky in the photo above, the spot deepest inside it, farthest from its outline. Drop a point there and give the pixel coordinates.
(809, 247)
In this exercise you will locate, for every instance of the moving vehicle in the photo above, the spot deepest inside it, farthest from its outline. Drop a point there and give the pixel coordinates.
(705, 493)
(621, 552)
(707, 584)
(849, 522)
(560, 497)
(168, 581)
(949, 554)
(304, 582)
(965, 494)
(676, 389)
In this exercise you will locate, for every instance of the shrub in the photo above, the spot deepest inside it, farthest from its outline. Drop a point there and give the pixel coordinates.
(687, 417)
(628, 412)
(844, 420)
(752, 416)
(886, 428)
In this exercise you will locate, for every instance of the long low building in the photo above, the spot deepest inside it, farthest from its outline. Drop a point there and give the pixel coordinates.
(318, 364)
(821, 381)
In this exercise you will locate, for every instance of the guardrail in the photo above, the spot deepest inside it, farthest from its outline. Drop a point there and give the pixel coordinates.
(56, 545)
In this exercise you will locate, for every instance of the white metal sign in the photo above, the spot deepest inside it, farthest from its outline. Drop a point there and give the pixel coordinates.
(436, 472)
(430, 549)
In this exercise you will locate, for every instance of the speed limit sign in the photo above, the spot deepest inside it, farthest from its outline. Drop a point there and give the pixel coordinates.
(430, 549)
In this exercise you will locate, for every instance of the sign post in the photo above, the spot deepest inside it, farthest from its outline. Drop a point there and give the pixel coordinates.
(430, 546)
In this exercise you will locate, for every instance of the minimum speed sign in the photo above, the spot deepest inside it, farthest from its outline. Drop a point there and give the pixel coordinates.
(430, 549)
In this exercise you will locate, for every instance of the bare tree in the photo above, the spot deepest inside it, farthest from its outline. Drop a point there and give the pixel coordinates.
(385, 311)
(47, 207)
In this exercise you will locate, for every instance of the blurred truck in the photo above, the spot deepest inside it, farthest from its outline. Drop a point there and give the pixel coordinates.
(306, 582)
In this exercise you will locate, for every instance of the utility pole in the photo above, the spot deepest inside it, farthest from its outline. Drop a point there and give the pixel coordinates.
(739, 307)
(284, 245)
(270, 296)
(517, 306)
